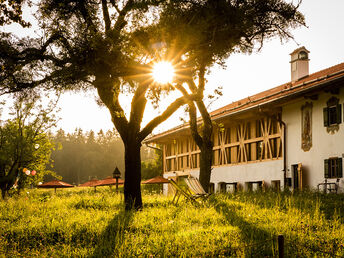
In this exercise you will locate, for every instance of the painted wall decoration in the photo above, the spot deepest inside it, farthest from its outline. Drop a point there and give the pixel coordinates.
(306, 126)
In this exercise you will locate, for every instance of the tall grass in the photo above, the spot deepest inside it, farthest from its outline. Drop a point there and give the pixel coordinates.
(80, 222)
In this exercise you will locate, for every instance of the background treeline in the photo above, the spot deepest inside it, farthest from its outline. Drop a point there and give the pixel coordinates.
(81, 156)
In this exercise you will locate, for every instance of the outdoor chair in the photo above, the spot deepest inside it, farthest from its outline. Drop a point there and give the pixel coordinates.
(192, 193)
(336, 186)
(196, 188)
(179, 191)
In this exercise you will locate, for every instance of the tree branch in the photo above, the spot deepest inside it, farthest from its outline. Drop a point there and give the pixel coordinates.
(138, 104)
(106, 15)
(108, 93)
(161, 118)
(85, 14)
(115, 5)
(120, 23)
(193, 117)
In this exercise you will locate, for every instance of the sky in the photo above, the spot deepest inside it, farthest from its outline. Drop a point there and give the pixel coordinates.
(245, 75)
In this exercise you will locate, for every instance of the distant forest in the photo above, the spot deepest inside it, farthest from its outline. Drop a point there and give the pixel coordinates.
(81, 156)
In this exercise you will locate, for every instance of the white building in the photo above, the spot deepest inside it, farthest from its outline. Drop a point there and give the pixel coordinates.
(291, 135)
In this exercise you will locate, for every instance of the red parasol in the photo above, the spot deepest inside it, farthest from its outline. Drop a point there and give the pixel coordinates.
(109, 181)
(90, 183)
(156, 180)
(55, 184)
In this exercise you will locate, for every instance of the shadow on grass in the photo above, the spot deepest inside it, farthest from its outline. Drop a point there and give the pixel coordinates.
(113, 235)
(309, 202)
(297, 244)
(257, 242)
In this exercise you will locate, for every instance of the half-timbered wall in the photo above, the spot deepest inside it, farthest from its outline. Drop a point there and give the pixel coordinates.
(246, 142)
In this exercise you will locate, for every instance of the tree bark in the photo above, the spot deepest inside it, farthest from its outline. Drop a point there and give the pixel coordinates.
(203, 140)
(6, 182)
(132, 182)
(3, 192)
(206, 157)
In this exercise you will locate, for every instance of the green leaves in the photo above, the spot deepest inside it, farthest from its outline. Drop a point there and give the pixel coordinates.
(24, 140)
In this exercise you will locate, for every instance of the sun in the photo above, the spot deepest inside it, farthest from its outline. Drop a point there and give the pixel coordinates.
(163, 72)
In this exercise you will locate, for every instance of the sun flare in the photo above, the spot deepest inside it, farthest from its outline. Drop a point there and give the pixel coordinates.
(163, 72)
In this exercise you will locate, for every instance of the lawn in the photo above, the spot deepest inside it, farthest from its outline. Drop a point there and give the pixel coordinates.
(80, 222)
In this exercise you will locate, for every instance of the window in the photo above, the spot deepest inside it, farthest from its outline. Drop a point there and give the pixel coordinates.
(333, 112)
(228, 136)
(333, 168)
(228, 154)
(248, 131)
(248, 151)
(259, 150)
(168, 165)
(194, 158)
(180, 163)
(303, 55)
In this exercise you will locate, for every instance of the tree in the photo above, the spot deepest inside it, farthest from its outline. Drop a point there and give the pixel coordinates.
(203, 33)
(110, 46)
(25, 144)
(90, 44)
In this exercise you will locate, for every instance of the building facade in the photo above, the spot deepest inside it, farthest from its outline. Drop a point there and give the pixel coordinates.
(289, 136)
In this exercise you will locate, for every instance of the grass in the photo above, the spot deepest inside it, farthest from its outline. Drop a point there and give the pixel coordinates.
(81, 223)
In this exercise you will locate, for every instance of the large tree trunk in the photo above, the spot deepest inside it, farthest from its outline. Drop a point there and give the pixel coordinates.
(6, 182)
(204, 142)
(132, 182)
(206, 157)
(3, 192)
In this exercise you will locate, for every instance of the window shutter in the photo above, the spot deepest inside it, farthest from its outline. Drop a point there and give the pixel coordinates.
(339, 113)
(326, 167)
(325, 110)
(340, 167)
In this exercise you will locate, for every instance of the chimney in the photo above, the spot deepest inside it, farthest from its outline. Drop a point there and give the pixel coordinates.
(299, 64)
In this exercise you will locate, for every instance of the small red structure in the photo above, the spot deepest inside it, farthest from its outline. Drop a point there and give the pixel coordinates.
(156, 180)
(90, 183)
(55, 184)
(109, 181)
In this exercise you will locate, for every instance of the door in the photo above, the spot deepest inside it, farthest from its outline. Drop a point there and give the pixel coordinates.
(297, 176)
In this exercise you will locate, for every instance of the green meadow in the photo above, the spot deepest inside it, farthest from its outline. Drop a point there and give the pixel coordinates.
(81, 223)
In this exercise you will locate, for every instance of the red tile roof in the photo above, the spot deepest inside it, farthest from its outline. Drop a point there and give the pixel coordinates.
(284, 90)
(310, 82)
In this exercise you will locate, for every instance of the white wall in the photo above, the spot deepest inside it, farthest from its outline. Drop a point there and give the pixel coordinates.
(324, 144)
(259, 171)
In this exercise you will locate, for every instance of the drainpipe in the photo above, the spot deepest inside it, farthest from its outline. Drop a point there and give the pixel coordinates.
(284, 151)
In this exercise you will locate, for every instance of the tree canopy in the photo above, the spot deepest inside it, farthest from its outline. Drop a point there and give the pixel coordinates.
(198, 34)
(111, 46)
(25, 144)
